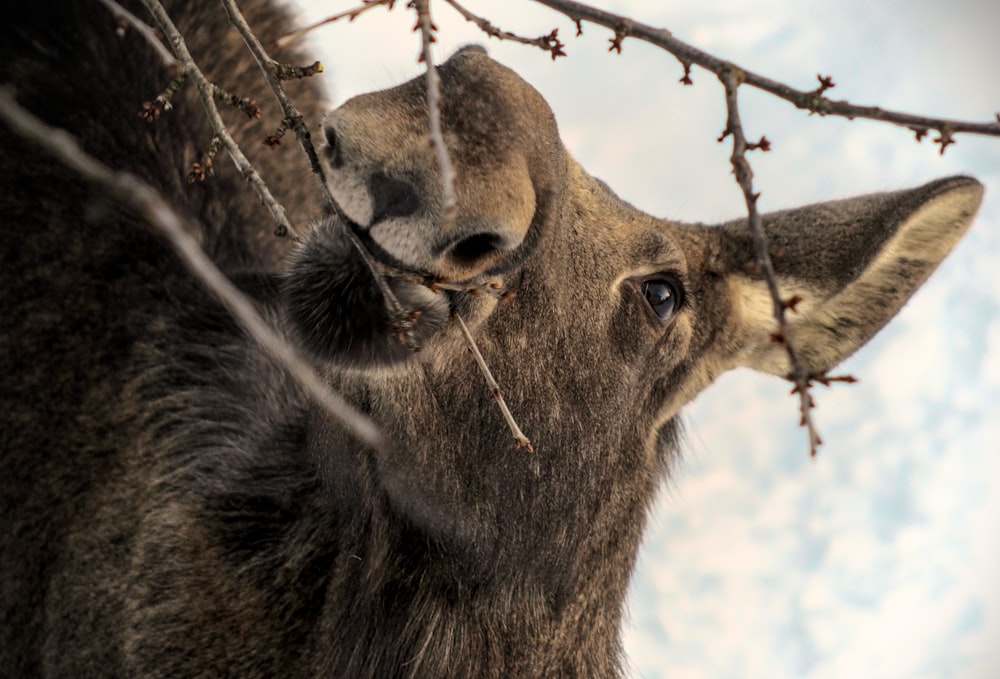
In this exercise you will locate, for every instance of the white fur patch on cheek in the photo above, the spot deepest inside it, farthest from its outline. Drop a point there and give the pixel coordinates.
(408, 240)
(351, 195)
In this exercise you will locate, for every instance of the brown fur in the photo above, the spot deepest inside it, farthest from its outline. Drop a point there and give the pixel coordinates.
(174, 507)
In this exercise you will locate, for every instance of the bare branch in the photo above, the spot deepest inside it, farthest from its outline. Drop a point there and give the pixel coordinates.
(731, 80)
(146, 31)
(248, 106)
(150, 111)
(814, 101)
(350, 15)
(203, 168)
(810, 100)
(292, 118)
(207, 91)
(142, 198)
(437, 285)
(520, 440)
(427, 30)
(549, 42)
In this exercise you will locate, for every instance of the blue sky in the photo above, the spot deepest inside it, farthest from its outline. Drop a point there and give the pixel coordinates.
(881, 559)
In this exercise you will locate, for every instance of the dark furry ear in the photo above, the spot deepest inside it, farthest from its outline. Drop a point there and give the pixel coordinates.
(852, 263)
(336, 309)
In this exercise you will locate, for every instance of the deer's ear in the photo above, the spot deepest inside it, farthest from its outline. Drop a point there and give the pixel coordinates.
(853, 263)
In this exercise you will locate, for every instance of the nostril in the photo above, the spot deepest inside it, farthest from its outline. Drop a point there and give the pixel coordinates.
(333, 146)
(391, 197)
(331, 136)
(474, 248)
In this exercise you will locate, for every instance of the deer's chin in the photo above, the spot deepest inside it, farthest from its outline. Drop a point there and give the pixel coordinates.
(337, 311)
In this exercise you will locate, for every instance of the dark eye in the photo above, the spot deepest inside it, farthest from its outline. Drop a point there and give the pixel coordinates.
(663, 296)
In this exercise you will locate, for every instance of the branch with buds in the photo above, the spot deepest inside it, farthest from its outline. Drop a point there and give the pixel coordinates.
(731, 80)
(813, 101)
(208, 92)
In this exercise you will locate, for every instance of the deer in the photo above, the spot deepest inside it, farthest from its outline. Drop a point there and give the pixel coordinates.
(175, 505)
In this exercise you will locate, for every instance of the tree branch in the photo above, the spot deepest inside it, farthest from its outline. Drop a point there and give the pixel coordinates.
(144, 200)
(811, 100)
(271, 70)
(549, 42)
(207, 91)
(732, 77)
(350, 15)
(731, 80)
(433, 87)
(520, 440)
(146, 31)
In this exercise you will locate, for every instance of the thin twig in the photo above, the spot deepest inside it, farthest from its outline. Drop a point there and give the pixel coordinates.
(731, 80)
(207, 91)
(549, 42)
(150, 111)
(294, 119)
(146, 31)
(810, 100)
(350, 15)
(143, 199)
(433, 86)
(436, 285)
(520, 440)
(270, 69)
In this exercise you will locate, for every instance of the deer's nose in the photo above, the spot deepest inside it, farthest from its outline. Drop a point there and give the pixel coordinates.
(389, 188)
(462, 248)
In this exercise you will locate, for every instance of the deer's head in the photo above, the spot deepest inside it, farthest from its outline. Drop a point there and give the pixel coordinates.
(679, 303)
(618, 318)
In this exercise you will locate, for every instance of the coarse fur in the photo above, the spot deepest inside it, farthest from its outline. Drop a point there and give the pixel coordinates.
(174, 506)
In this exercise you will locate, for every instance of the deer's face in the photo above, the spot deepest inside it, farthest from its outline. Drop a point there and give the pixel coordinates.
(610, 303)
(384, 177)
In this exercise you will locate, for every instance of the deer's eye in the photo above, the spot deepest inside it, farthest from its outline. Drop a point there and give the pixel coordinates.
(663, 296)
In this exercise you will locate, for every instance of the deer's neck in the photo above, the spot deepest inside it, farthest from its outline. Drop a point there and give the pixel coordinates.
(462, 555)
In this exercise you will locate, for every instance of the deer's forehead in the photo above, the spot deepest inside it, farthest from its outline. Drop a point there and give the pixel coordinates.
(649, 250)
(641, 244)
(488, 113)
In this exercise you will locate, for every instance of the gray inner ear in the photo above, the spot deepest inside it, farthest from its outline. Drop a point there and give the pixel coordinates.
(844, 305)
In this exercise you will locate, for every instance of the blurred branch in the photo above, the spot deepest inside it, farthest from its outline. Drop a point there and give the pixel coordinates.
(145, 30)
(145, 201)
(350, 15)
(433, 87)
(549, 42)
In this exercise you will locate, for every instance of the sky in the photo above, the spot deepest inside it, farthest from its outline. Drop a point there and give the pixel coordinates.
(881, 558)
